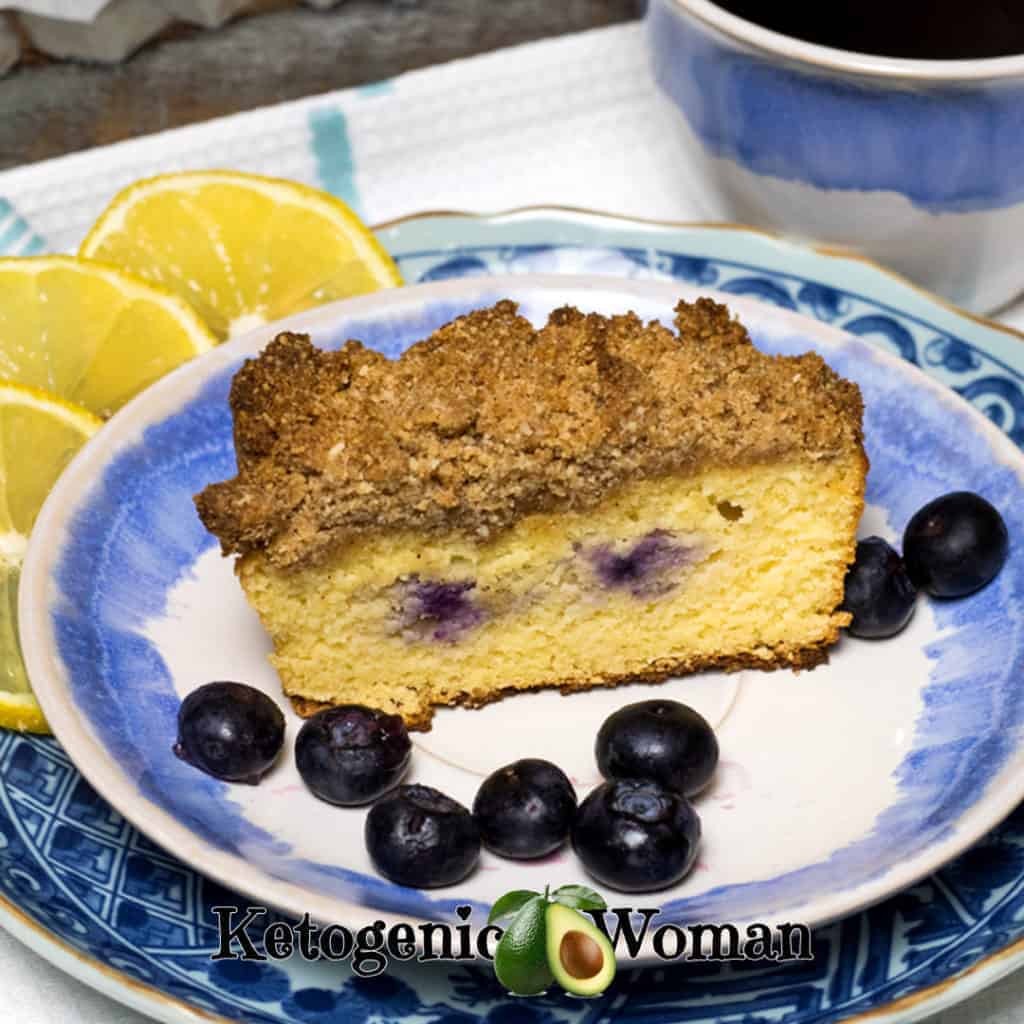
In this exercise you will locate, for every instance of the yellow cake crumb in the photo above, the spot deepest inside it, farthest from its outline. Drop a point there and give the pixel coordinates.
(773, 545)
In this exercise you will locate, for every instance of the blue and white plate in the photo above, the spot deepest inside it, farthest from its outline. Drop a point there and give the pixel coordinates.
(839, 785)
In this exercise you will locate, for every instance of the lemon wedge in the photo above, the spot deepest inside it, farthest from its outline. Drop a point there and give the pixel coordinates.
(242, 249)
(39, 434)
(88, 333)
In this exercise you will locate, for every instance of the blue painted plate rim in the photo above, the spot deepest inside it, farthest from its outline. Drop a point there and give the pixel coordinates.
(921, 1003)
(95, 761)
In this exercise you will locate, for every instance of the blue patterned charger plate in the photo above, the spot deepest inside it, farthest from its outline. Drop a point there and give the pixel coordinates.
(85, 888)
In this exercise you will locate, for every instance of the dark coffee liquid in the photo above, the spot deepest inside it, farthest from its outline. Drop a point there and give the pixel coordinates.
(919, 29)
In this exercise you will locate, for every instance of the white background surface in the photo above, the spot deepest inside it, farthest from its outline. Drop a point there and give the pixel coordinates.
(572, 121)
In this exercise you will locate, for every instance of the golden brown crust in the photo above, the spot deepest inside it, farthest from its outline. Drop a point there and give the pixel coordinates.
(489, 420)
(783, 657)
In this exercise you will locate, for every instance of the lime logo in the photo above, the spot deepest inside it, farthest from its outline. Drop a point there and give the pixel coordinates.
(548, 940)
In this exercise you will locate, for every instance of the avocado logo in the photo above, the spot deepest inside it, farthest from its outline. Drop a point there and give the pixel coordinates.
(548, 940)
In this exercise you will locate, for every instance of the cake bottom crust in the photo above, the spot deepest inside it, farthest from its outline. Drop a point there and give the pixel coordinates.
(797, 658)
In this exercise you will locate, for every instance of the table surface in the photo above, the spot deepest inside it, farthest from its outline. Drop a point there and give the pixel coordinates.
(49, 108)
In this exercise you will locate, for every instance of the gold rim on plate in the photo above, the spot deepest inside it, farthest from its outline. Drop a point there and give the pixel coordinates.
(832, 250)
(911, 1001)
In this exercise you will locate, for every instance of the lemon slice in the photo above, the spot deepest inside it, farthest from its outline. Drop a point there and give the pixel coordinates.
(89, 333)
(38, 435)
(242, 249)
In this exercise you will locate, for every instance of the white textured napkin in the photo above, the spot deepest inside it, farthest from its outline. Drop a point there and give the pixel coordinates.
(84, 11)
(68, 10)
(108, 31)
(573, 121)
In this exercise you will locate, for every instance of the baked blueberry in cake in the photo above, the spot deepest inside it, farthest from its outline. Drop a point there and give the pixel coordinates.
(504, 508)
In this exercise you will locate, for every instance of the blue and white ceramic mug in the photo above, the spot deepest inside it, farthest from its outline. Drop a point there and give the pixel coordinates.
(918, 164)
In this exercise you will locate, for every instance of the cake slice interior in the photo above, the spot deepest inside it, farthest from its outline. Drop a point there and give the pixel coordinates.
(729, 568)
(715, 533)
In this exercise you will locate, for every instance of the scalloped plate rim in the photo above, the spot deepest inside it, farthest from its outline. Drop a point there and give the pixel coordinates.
(925, 1001)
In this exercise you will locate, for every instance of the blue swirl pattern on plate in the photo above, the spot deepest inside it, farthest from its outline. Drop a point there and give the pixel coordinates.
(74, 865)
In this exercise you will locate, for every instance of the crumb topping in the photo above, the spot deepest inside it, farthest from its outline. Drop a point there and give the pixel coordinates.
(489, 420)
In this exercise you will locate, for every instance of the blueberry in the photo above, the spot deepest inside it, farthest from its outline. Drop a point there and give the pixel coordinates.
(230, 731)
(350, 754)
(636, 836)
(879, 593)
(660, 740)
(441, 610)
(645, 568)
(525, 809)
(419, 837)
(955, 544)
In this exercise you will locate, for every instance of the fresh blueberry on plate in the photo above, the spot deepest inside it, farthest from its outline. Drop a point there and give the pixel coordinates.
(230, 730)
(636, 836)
(350, 754)
(419, 837)
(879, 593)
(525, 809)
(661, 740)
(955, 544)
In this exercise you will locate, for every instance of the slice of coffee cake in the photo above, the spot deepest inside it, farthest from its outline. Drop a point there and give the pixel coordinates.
(505, 508)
